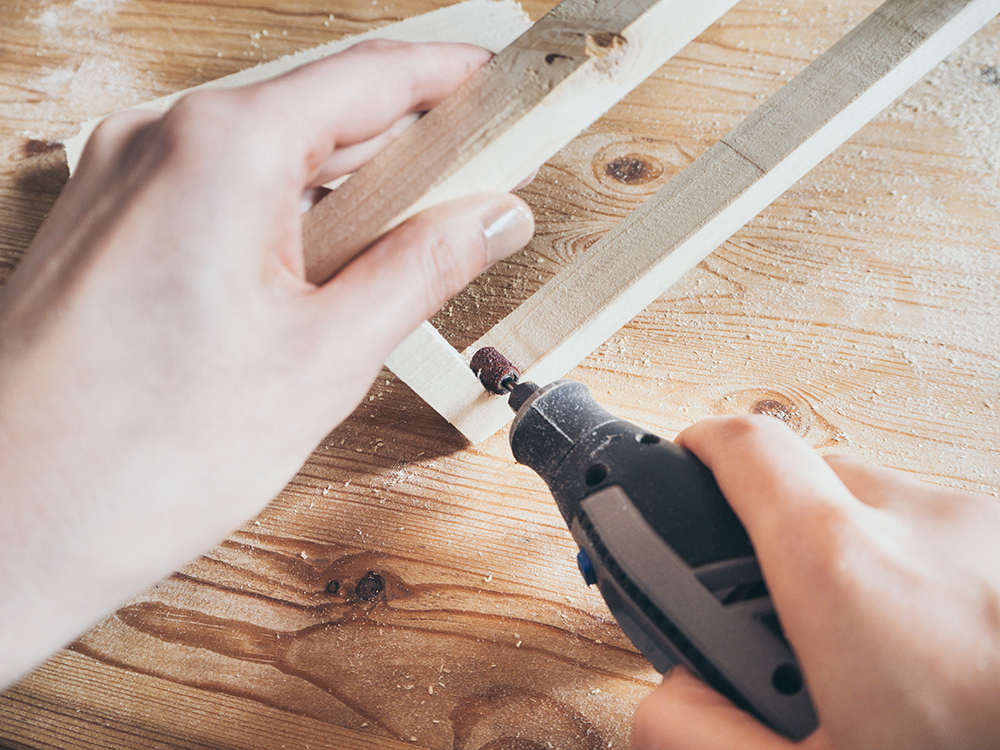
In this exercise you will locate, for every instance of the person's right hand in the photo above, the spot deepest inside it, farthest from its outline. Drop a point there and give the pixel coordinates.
(888, 590)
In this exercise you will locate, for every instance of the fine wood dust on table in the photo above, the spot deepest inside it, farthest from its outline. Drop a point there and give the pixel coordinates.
(454, 649)
(882, 372)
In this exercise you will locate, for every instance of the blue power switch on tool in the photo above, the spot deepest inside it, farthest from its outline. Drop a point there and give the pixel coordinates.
(586, 568)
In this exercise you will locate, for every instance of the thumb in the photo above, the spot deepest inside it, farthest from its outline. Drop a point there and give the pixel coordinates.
(684, 713)
(405, 277)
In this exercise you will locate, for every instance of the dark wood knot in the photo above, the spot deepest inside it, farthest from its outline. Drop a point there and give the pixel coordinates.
(633, 169)
(370, 586)
(783, 410)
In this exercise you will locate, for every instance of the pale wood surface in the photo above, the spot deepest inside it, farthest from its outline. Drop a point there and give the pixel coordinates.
(860, 307)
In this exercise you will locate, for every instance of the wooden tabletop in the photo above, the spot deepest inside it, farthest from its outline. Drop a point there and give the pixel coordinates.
(410, 590)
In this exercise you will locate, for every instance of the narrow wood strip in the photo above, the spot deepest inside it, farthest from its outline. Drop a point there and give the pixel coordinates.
(429, 363)
(509, 118)
(603, 288)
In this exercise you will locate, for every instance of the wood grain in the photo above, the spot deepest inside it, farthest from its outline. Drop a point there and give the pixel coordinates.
(859, 307)
(507, 119)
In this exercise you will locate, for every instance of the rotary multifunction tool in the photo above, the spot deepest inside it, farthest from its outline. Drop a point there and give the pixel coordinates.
(661, 543)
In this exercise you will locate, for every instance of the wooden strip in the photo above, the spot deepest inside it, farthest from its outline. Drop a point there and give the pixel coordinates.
(492, 24)
(430, 362)
(769, 151)
(513, 115)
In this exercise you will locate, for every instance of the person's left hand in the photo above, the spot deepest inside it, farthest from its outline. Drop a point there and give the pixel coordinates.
(165, 368)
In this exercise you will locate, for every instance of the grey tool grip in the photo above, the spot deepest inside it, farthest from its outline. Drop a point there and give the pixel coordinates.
(666, 609)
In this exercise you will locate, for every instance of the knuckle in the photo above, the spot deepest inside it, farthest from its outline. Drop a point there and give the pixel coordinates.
(114, 133)
(200, 106)
(378, 46)
(113, 127)
(198, 115)
(205, 122)
(754, 429)
(206, 128)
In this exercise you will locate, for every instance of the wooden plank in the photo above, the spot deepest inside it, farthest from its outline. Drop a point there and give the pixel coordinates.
(762, 157)
(513, 115)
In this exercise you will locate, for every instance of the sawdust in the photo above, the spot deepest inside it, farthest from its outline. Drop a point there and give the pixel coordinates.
(91, 77)
(869, 291)
(60, 21)
(963, 92)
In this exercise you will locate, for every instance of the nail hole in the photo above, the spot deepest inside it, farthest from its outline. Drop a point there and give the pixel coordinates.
(605, 39)
(332, 587)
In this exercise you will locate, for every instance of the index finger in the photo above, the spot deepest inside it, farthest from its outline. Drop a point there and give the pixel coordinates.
(795, 508)
(769, 475)
(357, 94)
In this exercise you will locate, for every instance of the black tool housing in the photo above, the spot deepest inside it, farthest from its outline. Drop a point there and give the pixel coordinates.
(670, 557)
(576, 446)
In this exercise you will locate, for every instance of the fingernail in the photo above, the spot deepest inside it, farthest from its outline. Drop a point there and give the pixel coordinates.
(508, 227)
